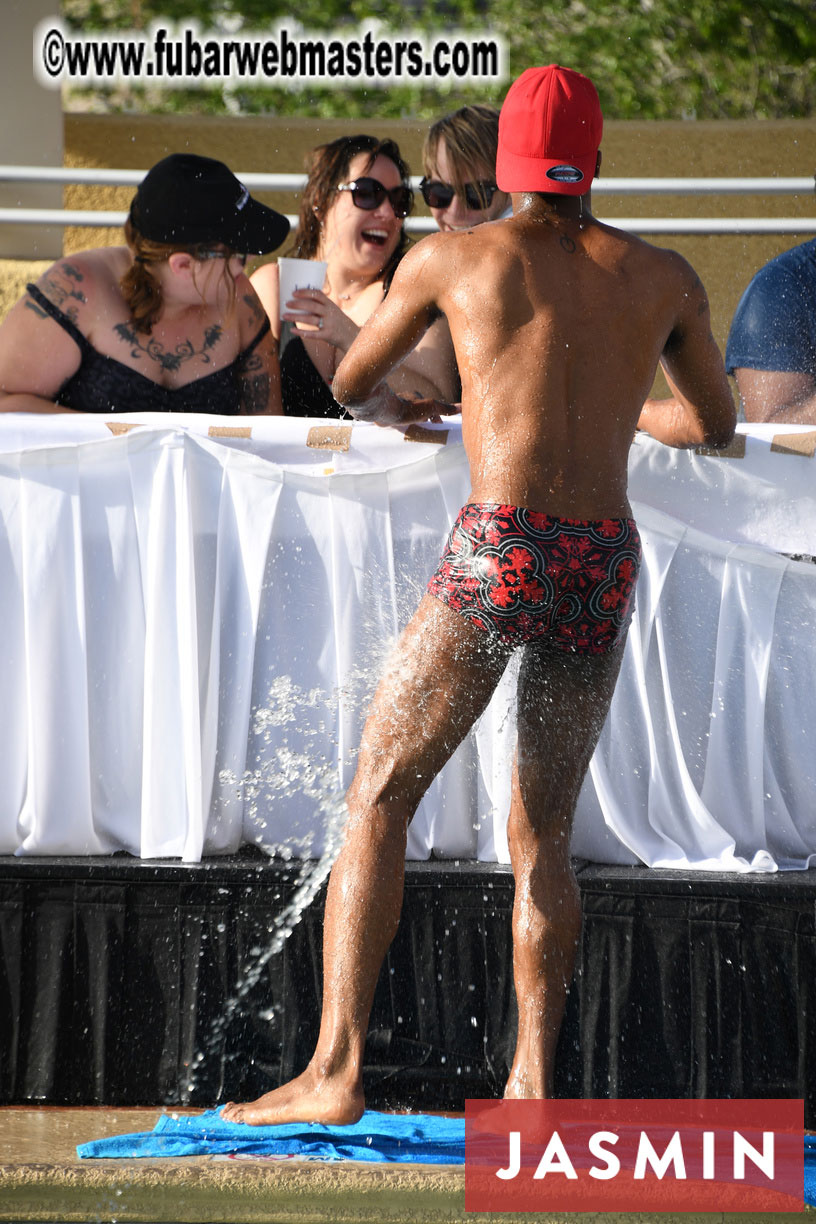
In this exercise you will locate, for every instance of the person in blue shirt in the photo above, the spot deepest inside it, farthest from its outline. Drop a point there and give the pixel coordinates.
(771, 349)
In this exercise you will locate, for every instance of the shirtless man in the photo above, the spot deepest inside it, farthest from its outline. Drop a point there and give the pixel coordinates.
(558, 323)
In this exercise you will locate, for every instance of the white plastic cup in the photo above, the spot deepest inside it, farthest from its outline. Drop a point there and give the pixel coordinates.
(299, 274)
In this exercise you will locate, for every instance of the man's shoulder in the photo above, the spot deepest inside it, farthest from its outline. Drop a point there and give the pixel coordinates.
(801, 256)
(655, 260)
(446, 241)
(798, 262)
(436, 254)
(773, 325)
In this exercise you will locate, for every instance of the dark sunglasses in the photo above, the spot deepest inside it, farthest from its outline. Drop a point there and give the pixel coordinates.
(202, 256)
(478, 196)
(368, 194)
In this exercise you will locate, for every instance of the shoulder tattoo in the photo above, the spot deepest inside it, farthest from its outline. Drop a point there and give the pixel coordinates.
(255, 306)
(63, 284)
(31, 305)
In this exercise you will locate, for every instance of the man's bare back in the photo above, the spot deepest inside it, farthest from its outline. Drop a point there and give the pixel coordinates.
(558, 322)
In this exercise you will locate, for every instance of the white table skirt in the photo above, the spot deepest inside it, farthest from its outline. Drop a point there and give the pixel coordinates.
(195, 611)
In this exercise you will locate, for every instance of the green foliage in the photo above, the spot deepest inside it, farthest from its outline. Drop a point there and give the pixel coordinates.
(650, 59)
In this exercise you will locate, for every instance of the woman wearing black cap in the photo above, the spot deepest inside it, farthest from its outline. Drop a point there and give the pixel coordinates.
(168, 323)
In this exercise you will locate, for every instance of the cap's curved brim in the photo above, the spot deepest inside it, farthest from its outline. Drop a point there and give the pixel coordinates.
(564, 176)
(256, 230)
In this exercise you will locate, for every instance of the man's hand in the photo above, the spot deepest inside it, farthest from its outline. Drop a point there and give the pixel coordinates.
(385, 407)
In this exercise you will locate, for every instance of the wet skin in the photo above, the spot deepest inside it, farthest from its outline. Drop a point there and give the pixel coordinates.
(558, 324)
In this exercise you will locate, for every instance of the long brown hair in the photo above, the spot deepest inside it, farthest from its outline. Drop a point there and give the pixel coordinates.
(328, 167)
(140, 288)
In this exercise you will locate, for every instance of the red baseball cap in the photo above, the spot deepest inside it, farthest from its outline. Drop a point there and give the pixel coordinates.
(550, 128)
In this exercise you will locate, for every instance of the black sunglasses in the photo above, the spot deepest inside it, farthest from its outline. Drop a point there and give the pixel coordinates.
(368, 194)
(478, 196)
(203, 255)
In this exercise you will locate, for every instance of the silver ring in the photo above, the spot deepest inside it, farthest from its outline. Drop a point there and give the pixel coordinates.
(320, 323)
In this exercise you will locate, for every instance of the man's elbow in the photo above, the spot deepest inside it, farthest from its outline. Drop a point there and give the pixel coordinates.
(718, 434)
(346, 392)
(357, 400)
(352, 384)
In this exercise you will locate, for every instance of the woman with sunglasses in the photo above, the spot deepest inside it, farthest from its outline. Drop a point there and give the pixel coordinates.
(459, 164)
(168, 323)
(351, 215)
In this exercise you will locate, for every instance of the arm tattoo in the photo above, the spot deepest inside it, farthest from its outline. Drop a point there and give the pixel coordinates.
(254, 393)
(37, 310)
(255, 306)
(699, 288)
(62, 285)
(254, 386)
(157, 352)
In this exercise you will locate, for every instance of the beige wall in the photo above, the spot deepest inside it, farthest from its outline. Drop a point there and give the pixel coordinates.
(707, 149)
(31, 129)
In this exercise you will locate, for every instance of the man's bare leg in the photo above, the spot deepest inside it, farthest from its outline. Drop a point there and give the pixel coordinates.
(437, 682)
(563, 701)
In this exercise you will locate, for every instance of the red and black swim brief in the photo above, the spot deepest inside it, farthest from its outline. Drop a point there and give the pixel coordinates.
(524, 575)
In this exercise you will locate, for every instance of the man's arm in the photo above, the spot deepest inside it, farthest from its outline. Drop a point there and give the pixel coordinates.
(777, 396)
(701, 411)
(429, 370)
(772, 342)
(386, 339)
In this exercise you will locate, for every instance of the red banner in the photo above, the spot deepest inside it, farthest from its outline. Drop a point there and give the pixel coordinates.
(665, 1155)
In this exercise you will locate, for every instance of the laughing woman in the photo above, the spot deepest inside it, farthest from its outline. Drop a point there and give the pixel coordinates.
(168, 323)
(351, 215)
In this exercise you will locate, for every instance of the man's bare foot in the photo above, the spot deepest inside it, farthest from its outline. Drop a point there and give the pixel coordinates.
(522, 1086)
(308, 1098)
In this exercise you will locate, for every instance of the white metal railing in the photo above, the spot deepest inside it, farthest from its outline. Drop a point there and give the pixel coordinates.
(427, 225)
(294, 182)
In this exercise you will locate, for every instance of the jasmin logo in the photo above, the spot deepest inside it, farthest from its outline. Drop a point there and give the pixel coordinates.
(673, 1161)
(634, 1155)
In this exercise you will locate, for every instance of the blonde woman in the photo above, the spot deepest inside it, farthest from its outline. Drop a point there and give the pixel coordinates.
(459, 167)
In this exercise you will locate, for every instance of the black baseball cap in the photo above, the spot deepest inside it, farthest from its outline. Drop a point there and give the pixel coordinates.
(191, 200)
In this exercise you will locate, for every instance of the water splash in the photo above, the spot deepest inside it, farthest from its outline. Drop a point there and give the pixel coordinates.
(283, 771)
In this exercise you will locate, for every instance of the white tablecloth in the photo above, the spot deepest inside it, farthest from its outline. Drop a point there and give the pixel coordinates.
(195, 610)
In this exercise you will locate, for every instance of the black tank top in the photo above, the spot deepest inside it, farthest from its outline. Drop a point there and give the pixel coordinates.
(304, 392)
(103, 384)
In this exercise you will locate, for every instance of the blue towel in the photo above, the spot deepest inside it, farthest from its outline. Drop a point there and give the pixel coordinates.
(377, 1137)
(810, 1169)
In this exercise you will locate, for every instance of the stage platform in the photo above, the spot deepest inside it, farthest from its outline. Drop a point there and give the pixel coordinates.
(126, 982)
